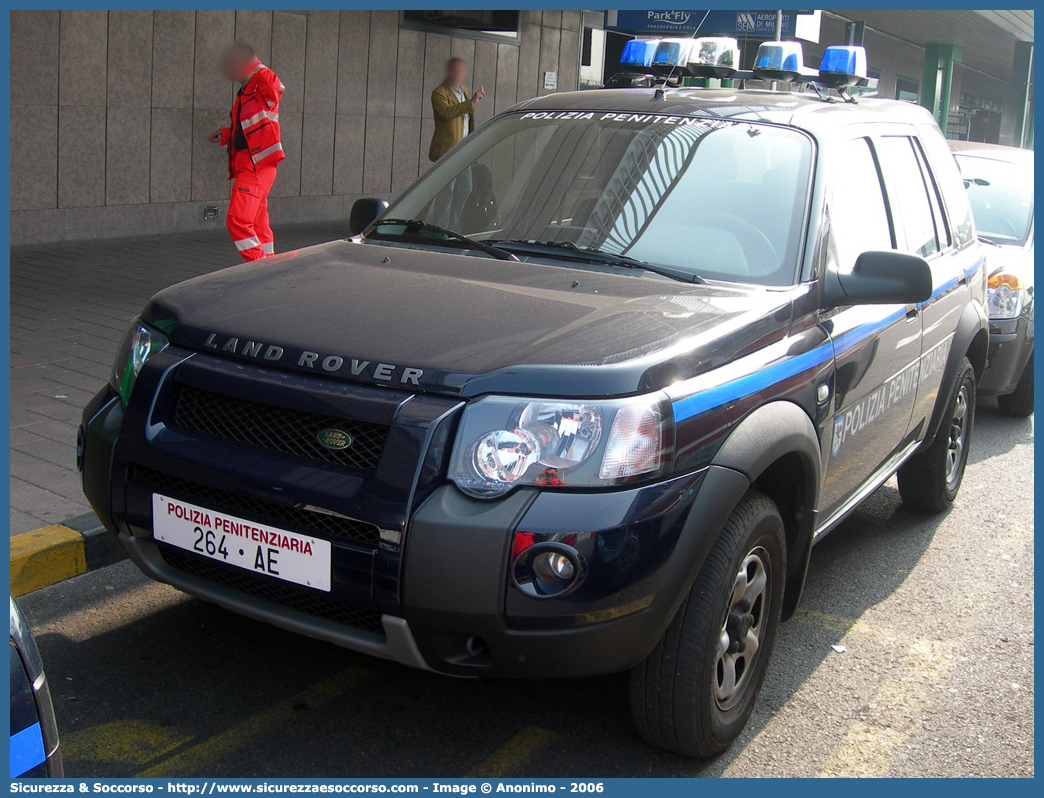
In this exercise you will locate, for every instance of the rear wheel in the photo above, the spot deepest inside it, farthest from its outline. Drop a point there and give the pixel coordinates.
(931, 479)
(694, 693)
(1019, 403)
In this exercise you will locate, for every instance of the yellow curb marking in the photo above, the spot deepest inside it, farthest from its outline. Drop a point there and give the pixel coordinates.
(512, 755)
(191, 761)
(45, 556)
(871, 746)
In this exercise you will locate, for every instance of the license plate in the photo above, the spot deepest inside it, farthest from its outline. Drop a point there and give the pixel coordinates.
(246, 544)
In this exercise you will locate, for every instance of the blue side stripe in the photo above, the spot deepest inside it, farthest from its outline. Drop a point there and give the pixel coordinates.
(27, 750)
(702, 401)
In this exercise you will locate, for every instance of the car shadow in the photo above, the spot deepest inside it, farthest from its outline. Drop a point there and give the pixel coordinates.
(172, 680)
(996, 433)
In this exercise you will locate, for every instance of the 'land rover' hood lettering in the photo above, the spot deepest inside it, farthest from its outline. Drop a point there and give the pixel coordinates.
(464, 324)
(331, 364)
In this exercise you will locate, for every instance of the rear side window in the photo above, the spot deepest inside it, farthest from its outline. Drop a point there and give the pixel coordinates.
(942, 232)
(948, 177)
(908, 190)
(858, 215)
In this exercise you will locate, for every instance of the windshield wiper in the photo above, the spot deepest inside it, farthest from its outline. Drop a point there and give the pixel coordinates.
(593, 255)
(417, 224)
(988, 240)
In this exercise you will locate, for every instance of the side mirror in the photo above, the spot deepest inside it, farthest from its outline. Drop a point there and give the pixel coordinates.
(880, 278)
(364, 212)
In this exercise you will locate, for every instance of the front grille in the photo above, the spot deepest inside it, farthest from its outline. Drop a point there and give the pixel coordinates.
(306, 521)
(279, 429)
(266, 588)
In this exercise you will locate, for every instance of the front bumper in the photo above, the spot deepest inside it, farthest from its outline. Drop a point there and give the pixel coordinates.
(433, 593)
(1011, 345)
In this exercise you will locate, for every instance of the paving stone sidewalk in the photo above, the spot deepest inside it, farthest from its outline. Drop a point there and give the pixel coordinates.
(70, 303)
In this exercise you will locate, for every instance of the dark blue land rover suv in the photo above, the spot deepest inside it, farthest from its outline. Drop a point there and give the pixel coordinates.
(591, 419)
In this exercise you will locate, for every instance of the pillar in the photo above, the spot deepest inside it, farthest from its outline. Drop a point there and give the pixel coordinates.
(937, 80)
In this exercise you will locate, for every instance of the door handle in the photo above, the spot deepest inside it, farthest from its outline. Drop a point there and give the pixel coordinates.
(912, 312)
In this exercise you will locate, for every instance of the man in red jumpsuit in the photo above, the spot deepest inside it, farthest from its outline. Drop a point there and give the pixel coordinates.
(254, 149)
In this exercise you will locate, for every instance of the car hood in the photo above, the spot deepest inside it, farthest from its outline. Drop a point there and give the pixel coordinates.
(1012, 258)
(465, 323)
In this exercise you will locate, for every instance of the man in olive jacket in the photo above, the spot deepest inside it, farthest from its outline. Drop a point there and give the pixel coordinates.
(454, 111)
(454, 119)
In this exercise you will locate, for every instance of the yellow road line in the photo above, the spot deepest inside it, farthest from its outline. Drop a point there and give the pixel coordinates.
(845, 626)
(191, 761)
(131, 743)
(871, 746)
(45, 556)
(512, 755)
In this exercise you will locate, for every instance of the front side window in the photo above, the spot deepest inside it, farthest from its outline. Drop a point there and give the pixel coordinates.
(719, 199)
(858, 216)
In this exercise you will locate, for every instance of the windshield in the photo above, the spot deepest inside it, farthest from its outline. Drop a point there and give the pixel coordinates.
(1001, 197)
(712, 198)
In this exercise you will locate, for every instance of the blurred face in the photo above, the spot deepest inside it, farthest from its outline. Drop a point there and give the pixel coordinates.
(234, 62)
(455, 73)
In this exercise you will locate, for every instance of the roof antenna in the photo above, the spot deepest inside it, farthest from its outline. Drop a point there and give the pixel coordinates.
(659, 93)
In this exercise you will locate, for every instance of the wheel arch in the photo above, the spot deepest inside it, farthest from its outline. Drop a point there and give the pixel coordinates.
(777, 449)
(970, 340)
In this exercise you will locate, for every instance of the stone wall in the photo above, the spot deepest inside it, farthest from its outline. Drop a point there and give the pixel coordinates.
(110, 110)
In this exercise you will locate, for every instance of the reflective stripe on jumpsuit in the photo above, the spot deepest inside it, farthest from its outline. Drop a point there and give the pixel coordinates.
(247, 218)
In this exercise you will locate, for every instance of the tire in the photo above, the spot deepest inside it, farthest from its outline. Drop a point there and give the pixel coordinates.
(931, 478)
(1019, 403)
(680, 696)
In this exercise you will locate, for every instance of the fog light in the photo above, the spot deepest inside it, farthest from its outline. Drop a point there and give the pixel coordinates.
(545, 570)
(475, 646)
(553, 566)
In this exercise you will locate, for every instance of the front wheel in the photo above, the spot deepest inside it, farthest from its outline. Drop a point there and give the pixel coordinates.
(695, 692)
(930, 479)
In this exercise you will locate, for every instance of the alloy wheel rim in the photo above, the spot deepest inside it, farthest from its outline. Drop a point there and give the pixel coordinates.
(743, 629)
(957, 435)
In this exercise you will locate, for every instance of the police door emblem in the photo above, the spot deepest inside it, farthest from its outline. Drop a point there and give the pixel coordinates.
(839, 434)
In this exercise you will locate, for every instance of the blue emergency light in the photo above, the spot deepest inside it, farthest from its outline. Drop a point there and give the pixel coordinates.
(843, 65)
(639, 52)
(780, 61)
(672, 52)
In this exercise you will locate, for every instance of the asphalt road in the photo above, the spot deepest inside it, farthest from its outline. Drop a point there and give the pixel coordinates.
(912, 655)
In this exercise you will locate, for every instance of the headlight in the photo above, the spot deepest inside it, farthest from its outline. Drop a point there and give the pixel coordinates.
(504, 442)
(139, 344)
(1005, 296)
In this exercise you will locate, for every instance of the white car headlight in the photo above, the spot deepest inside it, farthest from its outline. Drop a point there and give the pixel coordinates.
(1005, 296)
(504, 442)
(139, 343)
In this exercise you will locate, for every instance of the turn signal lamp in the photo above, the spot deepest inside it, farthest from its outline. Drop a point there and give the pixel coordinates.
(639, 52)
(1009, 280)
(843, 65)
(714, 57)
(779, 61)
